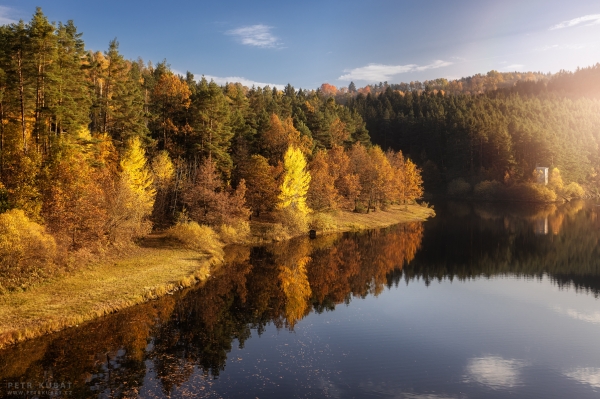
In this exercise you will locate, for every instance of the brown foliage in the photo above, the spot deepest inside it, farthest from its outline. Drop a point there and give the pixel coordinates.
(280, 136)
(322, 193)
(210, 203)
(74, 204)
(262, 187)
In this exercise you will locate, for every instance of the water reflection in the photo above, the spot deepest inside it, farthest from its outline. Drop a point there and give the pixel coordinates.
(585, 375)
(495, 372)
(157, 348)
(473, 240)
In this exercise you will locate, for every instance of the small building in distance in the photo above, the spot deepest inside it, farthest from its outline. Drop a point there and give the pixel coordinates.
(542, 175)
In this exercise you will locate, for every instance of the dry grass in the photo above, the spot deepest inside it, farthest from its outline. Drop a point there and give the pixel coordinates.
(96, 290)
(394, 214)
(264, 230)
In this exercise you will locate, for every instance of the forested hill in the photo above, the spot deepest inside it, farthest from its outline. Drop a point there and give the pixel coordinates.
(499, 134)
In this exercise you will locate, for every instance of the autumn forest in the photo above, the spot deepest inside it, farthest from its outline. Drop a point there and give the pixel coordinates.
(97, 150)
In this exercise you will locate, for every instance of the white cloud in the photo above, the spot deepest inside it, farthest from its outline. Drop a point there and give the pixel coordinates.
(5, 19)
(592, 317)
(436, 64)
(585, 375)
(242, 80)
(594, 19)
(230, 79)
(256, 35)
(494, 372)
(380, 72)
(562, 47)
(513, 67)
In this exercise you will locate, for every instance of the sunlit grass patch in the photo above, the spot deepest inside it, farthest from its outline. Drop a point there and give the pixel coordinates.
(99, 289)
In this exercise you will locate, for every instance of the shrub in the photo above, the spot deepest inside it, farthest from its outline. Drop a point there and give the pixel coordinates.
(237, 234)
(276, 232)
(322, 222)
(573, 190)
(458, 188)
(488, 190)
(197, 237)
(360, 208)
(25, 249)
(295, 222)
(532, 192)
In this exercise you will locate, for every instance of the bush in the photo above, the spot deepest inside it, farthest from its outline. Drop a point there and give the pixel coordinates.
(531, 192)
(26, 250)
(237, 234)
(295, 222)
(573, 190)
(322, 222)
(360, 208)
(488, 190)
(459, 188)
(276, 232)
(196, 237)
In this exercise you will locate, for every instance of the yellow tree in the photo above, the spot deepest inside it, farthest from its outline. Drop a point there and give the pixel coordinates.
(296, 181)
(171, 96)
(383, 174)
(555, 181)
(134, 195)
(163, 172)
(413, 183)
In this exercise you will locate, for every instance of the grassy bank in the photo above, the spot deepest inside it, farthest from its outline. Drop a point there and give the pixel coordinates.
(351, 221)
(155, 269)
(98, 289)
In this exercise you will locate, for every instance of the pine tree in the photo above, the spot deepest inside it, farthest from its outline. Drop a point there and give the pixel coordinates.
(212, 129)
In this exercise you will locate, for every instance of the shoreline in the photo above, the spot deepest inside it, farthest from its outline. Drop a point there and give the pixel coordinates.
(149, 272)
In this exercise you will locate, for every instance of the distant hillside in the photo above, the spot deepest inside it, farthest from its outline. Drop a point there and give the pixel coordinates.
(582, 82)
(492, 127)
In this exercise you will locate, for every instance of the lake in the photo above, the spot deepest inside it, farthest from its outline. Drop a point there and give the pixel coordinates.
(483, 301)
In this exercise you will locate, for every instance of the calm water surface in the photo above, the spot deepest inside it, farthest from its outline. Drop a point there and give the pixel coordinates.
(484, 301)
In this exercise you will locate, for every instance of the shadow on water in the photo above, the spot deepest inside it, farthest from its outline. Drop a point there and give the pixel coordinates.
(164, 342)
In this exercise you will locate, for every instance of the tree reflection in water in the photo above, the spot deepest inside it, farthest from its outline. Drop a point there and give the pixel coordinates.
(165, 341)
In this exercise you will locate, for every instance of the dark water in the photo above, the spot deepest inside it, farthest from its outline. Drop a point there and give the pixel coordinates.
(483, 301)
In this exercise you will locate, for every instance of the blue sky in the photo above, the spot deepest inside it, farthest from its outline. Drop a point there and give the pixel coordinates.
(307, 43)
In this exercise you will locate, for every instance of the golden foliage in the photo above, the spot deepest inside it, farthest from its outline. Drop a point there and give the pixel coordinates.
(197, 237)
(24, 247)
(296, 180)
(134, 195)
(163, 170)
(294, 284)
(235, 234)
